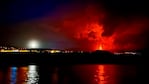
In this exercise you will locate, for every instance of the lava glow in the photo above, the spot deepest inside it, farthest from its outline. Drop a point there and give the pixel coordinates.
(100, 47)
(93, 33)
(88, 27)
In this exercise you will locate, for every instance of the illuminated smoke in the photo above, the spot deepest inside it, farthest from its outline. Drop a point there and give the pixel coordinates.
(84, 27)
(129, 36)
(88, 27)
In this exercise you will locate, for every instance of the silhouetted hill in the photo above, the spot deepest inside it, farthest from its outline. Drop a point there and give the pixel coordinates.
(96, 57)
(102, 53)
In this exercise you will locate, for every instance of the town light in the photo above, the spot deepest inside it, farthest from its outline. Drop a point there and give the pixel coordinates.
(33, 44)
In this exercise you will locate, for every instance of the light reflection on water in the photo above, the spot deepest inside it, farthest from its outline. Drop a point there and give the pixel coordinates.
(84, 74)
(32, 75)
(13, 75)
(106, 74)
(22, 75)
(101, 77)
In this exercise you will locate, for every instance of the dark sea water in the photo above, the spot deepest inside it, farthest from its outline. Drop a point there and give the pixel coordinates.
(75, 74)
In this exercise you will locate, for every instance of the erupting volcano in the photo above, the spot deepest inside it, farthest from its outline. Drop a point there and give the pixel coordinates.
(87, 27)
(100, 47)
(91, 29)
(93, 33)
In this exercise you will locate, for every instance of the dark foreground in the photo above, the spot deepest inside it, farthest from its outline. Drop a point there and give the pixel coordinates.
(70, 68)
(74, 74)
(68, 58)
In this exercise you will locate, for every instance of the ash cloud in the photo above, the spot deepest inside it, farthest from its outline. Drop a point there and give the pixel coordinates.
(117, 33)
(85, 26)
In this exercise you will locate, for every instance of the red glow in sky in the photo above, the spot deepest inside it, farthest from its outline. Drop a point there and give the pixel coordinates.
(84, 28)
(93, 32)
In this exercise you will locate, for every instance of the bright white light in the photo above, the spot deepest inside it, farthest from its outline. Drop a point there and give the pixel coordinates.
(32, 75)
(33, 44)
(32, 67)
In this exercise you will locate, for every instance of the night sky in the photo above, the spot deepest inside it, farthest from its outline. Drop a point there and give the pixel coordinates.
(56, 24)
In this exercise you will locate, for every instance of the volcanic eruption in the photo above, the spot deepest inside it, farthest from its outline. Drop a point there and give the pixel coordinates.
(89, 27)
(92, 29)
